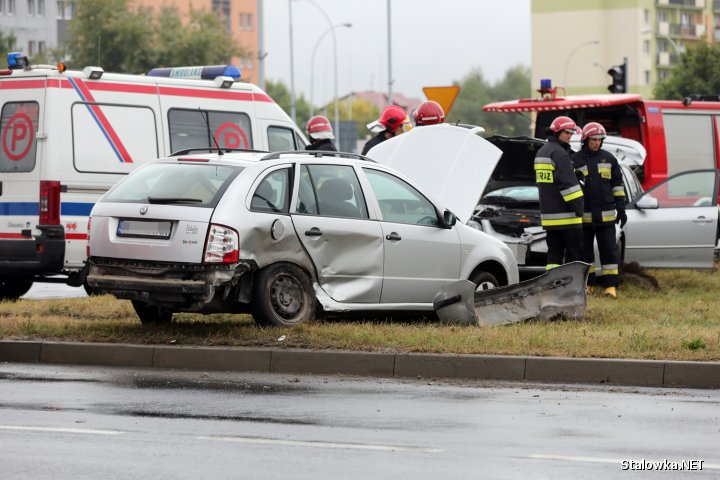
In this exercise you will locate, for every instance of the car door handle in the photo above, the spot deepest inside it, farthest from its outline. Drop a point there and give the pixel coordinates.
(393, 236)
(702, 220)
(313, 232)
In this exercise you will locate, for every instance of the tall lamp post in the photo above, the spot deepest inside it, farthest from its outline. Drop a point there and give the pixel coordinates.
(312, 67)
(336, 127)
(567, 62)
(292, 69)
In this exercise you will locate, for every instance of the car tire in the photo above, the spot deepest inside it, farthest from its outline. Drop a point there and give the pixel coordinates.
(91, 291)
(12, 288)
(483, 280)
(282, 296)
(152, 314)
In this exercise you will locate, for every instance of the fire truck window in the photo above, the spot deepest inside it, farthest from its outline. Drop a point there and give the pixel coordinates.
(18, 125)
(188, 129)
(689, 140)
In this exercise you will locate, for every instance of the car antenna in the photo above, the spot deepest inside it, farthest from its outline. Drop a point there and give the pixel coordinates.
(207, 123)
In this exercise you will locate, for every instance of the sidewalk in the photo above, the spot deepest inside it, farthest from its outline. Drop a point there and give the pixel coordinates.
(645, 373)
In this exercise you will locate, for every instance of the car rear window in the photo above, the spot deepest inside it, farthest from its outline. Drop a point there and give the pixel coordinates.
(196, 185)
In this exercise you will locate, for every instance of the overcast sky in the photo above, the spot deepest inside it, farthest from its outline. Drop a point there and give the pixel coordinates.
(433, 43)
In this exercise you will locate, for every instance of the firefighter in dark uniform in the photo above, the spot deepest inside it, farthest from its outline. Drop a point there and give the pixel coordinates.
(321, 134)
(561, 197)
(604, 206)
(392, 120)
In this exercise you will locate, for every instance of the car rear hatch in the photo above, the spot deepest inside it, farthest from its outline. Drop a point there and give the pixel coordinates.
(160, 213)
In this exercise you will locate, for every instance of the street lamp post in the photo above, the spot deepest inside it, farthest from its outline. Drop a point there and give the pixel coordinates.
(336, 127)
(312, 64)
(567, 62)
(292, 69)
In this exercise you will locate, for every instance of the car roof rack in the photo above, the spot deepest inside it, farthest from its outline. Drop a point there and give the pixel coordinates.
(214, 150)
(318, 154)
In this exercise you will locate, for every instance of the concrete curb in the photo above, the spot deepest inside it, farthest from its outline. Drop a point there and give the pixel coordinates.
(645, 373)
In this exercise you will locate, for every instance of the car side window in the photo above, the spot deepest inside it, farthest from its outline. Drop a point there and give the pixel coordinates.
(272, 193)
(281, 139)
(331, 191)
(690, 189)
(399, 201)
(18, 124)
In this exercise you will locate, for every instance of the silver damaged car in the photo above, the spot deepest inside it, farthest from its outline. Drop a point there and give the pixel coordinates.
(282, 236)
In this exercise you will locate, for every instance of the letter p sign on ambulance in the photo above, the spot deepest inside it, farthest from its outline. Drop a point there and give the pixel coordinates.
(17, 136)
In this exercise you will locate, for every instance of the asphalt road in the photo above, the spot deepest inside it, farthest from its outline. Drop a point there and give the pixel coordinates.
(61, 422)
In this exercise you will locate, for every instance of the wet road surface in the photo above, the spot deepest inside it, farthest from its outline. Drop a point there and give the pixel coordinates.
(88, 423)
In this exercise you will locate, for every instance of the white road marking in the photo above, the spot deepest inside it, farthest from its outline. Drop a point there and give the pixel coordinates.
(301, 443)
(60, 430)
(616, 461)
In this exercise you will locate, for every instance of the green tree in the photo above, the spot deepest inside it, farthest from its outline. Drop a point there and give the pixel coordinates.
(361, 111)
(279, 92)
(121, 38)
(698, 71)
(476, 92)
(110, 34)
(7, 42)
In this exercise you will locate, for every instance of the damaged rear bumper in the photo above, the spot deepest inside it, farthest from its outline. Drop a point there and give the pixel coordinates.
(560, 291)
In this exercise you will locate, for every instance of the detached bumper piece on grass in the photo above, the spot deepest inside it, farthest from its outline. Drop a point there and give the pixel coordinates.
(559, 292)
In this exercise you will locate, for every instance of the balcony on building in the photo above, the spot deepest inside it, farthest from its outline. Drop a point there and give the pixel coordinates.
(691, 31)
(694, 4)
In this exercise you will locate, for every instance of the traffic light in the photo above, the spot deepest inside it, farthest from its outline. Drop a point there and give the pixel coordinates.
(618, 73)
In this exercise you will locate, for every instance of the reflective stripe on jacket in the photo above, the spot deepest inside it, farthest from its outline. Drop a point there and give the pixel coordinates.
(561, 197)
(604, 188)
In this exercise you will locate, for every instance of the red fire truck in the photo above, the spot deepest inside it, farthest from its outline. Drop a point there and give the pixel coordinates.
(677, 135)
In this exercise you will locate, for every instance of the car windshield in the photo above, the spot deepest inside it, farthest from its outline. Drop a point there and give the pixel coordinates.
(197, 185)
(513, 194)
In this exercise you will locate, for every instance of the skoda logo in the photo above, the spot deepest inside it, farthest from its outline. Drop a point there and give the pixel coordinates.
(143, 210)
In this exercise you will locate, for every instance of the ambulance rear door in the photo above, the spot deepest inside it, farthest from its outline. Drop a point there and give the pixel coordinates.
(22, 107)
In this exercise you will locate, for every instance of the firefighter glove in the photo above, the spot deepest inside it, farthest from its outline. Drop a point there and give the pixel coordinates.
(621, 218)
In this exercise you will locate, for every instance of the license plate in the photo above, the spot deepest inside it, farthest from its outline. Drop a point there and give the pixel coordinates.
(144, 229)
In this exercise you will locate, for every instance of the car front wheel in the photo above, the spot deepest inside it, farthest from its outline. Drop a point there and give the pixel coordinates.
(12, 288)
(484, 281)
(151, 314)
(283, 296)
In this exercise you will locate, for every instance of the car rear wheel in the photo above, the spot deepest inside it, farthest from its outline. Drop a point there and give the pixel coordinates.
(283, 296)
(12, 288)
(484, 281)
(151, 314)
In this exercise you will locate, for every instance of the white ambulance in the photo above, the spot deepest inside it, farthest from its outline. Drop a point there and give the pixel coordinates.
(68, 136)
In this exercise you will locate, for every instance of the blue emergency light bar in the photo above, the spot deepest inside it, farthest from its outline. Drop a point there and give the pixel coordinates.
(16, 60)
(197, 73)
(545, 84)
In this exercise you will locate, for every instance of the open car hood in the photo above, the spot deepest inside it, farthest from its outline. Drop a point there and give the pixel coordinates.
(450, 163)
(628, 152)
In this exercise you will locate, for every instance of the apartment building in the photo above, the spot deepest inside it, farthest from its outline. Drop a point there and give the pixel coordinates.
(575, 43)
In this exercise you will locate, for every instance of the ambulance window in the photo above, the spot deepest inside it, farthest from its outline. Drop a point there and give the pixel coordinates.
(689, 140)
(18, 126)
(300, 142)
(281, 139)
(188, 129)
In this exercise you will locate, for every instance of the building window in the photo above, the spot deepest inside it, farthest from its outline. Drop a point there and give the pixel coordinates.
(65, 9)
(662, 74)
(31, 48)
(246, 62)
(647, 77)
(2, 7)
(646, 16)
(662, 16)
(10, 7)
(41, 8)
(245, 21)
(41, 46)
(646, 46)
(31, 8)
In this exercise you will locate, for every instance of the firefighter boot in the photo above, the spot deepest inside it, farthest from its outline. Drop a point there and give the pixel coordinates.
(611, 292)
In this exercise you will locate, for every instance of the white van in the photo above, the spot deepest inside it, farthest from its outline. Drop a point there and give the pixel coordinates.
(68, 136)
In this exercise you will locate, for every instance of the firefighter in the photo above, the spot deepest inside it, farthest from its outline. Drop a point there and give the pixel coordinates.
(428, 113)
(604, 206)
(392, 120)
(321, 135)
(561, 197)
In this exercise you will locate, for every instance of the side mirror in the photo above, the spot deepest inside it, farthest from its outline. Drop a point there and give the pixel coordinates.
(449, 219)
(647, 202)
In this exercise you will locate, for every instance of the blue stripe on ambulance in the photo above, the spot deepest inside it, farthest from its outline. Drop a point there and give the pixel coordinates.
(75, 209)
